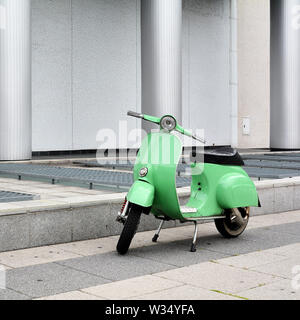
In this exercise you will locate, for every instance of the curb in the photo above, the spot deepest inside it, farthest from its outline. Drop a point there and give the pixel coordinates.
(47, 222)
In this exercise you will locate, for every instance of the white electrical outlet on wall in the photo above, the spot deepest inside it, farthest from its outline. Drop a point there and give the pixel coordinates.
(246, 126)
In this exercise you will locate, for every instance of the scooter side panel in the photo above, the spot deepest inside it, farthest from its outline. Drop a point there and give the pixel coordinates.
(205, 179)
(236, 190)
(220, 187)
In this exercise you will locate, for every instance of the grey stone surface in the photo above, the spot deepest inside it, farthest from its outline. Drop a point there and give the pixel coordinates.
(114, 267)
(279, 290)
(284, 199)
(50, 228)
(283, 268)
(49, 279)
(14, 232)
(176, 253)
(296, 197)
(9, 294)
(291, 228)
(267, 200)
(266, 238)
(214, 276)
(238, 274)
(92, 222)
(236, 246)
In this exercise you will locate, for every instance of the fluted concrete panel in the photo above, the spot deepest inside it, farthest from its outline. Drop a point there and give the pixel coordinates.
(285, 74)
(161, 23)
(15, 80)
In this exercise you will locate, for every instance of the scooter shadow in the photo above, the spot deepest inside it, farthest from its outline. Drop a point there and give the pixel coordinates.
(177, 252)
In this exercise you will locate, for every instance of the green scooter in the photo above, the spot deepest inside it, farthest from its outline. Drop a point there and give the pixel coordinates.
(220, 190)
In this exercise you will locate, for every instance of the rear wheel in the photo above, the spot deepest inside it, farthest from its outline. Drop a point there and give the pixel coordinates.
(232, 226)
(129, 230)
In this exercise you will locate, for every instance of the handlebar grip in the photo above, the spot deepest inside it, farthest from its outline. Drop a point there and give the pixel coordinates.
(135, 114)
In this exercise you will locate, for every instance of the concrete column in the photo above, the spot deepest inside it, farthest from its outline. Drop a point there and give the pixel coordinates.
(15, 80)
(285, 74)
(161, 24)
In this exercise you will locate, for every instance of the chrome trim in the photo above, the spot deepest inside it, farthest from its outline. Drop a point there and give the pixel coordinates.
(193, 219)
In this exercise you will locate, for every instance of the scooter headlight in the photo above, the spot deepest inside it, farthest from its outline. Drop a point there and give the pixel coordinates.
(168, 123)
(143, 172)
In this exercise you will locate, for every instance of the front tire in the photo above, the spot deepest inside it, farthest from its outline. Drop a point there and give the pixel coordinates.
(129, 230)
(229, 228)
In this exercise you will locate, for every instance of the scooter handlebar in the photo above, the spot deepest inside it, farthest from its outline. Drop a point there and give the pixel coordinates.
(135, 114)
(144, 117)
(189, 134)
(158, 120)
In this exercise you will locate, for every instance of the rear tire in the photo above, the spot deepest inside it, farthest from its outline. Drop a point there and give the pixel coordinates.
(230, 229)
(129, 230)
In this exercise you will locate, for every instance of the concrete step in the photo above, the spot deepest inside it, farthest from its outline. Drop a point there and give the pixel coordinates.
(45, 222)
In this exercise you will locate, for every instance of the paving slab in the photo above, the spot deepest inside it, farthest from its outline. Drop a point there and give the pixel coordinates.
(176, 253)
(186, 292)
(239, 264)
(49, 279)
(281, 268)
(290, 228)
(89, 247)
(34, 256)
(72, 295)
(274, 219)
(290, 251)
(214, 276)
(141, 239)
(240, 245)
(130, 288)
(114, 267)
(267, 237)
(9, 294)
(251, 260)
(279, 290)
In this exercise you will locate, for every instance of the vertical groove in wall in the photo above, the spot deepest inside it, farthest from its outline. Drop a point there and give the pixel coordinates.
(233, 71)
(138, 60)
(72, 71)
(15, 81)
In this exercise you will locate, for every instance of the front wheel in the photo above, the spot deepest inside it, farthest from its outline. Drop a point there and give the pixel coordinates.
(129, 230)
(233, 226)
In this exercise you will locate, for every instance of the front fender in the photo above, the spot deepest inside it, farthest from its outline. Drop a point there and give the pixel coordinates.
(142, 194)
(235, 191)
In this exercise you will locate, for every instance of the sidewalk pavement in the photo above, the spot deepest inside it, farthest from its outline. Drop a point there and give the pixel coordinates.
(264, 263)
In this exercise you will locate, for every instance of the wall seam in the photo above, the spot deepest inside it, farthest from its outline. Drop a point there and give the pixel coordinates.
(72, 73)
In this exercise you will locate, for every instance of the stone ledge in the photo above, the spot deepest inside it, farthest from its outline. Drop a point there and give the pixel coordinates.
(45, 222)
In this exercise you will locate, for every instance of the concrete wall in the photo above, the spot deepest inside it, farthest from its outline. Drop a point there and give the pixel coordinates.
(254, 72)
(86, 69)
(206, 69)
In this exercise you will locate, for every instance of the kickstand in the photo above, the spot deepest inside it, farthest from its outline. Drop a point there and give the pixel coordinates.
(156, 236)
(193, 247)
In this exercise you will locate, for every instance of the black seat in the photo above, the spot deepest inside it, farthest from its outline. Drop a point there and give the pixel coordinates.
(221, 156)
